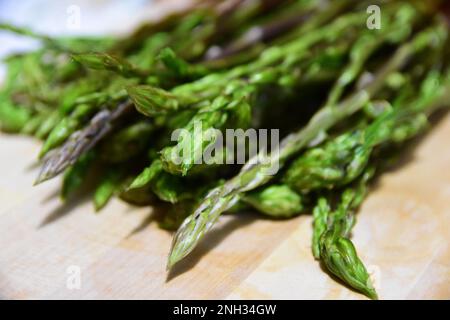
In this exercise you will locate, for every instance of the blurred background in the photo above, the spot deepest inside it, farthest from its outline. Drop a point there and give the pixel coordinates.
(76, 17)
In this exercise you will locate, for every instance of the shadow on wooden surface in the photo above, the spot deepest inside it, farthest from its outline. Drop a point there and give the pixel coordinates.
(210, 241)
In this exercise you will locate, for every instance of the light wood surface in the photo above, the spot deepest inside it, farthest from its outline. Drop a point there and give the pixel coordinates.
(402, 235)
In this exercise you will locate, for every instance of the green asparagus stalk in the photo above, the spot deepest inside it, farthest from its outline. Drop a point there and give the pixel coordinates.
(110, 184)
(330, 241)
(277, 201)
(80, 142)
(255, 174)
(76, 174)
(306, 67)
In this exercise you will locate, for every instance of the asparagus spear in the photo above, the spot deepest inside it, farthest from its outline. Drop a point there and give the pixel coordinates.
(78, 93)
(107, 62)
(81, 142)
(254, 174)
(331, 243)
(213, 85)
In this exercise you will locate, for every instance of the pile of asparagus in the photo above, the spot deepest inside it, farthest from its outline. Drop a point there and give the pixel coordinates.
(345, 98)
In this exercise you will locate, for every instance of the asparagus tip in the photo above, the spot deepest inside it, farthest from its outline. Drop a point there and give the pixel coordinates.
(372, 294)
(171, 261)
(40, 178)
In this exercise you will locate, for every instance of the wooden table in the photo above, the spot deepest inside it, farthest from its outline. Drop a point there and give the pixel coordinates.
(402, 234)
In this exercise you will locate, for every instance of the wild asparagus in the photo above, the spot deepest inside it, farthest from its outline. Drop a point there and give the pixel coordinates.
(255, 173)
(305, 67)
